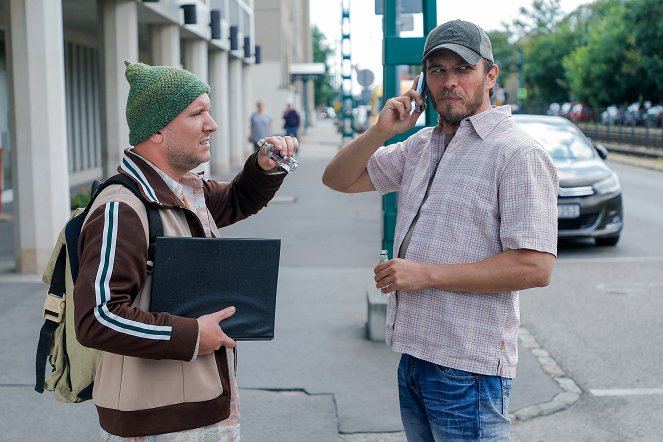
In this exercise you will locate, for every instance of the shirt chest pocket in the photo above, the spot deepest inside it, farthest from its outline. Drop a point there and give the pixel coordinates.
(468, 198)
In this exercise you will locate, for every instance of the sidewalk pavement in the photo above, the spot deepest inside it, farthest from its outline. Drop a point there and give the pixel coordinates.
(320, 379)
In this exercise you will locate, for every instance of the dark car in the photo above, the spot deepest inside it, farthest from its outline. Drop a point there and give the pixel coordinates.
(589, 202)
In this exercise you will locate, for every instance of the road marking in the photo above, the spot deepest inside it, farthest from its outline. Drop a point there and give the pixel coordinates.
(626, 391)
(609, 260)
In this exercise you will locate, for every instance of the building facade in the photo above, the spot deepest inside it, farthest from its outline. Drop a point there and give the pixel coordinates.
(63, 91)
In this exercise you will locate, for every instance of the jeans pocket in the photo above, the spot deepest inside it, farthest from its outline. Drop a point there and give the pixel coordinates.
(460, 375)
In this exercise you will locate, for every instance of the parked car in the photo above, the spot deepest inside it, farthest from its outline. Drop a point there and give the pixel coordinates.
(328, 112)
(612, 115)
(581, 112)
(635, 113)
(565, 108)
(554, 109)
(654, 116)
(589, 203)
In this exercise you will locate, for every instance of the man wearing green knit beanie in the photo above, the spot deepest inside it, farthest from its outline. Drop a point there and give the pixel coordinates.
(163, 374)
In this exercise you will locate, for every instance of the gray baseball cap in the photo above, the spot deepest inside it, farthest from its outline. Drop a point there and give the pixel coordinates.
(464, 38)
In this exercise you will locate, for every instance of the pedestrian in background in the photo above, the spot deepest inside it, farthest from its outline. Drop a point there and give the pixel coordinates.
(291, 121)
(261, 125)
(162, 374)
(477, 222)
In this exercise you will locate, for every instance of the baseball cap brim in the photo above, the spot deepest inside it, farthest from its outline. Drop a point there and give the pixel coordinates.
(466, 54)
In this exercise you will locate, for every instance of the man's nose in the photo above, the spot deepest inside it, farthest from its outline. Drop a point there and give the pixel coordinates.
(210, 125)
(450, 81)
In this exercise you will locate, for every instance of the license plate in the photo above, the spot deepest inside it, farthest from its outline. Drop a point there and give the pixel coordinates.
(568, 211)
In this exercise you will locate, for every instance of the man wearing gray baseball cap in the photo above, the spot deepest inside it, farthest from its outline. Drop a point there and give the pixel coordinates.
(477, 222)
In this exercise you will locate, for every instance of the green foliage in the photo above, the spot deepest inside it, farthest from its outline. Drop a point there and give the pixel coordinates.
(645, 18)
(505, 54)
(324, 90)
(543, 71)
(605, 52)
(598, 72)
(542, 18)
(81, 199)
(623, 56)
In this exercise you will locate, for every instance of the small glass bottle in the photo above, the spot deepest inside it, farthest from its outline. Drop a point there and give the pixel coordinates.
(289, 164)
(384, 257)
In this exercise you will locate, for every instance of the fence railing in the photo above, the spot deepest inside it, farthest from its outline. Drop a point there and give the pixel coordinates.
(643, 132)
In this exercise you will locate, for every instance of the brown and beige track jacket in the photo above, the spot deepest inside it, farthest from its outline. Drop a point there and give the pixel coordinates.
(146, 382)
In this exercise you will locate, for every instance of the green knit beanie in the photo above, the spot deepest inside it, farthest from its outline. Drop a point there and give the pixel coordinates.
(157, 94)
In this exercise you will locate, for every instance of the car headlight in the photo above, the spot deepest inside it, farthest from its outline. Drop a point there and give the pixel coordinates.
(608, 185)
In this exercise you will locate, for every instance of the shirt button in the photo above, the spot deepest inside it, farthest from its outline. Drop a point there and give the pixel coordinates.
(502, 344)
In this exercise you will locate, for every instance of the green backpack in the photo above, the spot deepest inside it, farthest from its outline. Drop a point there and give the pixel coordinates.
(73, 366)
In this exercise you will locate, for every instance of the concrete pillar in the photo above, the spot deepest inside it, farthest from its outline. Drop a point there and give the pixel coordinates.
(248, 107)
(37, 102)
(165, 43)
(119, 20)
(218, 81)
(195, 61)
(238, 136)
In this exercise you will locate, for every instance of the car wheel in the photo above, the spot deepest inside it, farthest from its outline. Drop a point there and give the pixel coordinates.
(607, 241)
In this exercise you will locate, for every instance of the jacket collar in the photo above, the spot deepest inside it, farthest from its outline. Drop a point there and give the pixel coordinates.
(151, 185)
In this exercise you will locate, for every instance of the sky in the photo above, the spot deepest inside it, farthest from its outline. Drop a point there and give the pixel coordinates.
(366, 27)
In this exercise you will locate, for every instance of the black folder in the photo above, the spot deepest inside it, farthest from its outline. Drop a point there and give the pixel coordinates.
(196, 276)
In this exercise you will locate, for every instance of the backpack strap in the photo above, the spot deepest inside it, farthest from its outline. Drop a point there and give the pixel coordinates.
(74, 226)
(53, 313)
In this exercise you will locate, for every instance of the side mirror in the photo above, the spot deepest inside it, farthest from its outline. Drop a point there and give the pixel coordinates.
(603, 152)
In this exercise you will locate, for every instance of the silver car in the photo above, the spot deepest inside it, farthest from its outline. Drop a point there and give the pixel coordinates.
(590, 197)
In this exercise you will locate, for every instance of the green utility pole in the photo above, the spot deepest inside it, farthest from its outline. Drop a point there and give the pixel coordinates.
(346, 73)
(401, 51)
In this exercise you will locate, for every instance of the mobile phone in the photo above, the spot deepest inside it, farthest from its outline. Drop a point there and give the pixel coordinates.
(423, 91)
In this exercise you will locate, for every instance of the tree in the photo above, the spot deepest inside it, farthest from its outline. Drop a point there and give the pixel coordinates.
(504, 53)
(622, 58)
(644, 18)
(543, 18)
(543, 71)
(324, 90)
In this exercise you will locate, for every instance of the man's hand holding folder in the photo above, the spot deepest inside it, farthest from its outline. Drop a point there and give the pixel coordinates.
(212, 336)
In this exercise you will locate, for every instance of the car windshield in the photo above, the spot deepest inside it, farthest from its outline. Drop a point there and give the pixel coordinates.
(561, 141)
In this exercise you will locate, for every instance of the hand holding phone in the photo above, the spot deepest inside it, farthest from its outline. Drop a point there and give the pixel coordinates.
(423, 91)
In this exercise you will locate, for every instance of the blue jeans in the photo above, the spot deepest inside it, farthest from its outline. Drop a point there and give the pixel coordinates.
(444, 404)
(291, 131)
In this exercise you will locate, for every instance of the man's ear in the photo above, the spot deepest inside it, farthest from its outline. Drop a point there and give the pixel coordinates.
(492, 76)
(157, 137)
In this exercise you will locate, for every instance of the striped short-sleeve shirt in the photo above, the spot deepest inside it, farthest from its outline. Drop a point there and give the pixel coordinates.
(494, 189)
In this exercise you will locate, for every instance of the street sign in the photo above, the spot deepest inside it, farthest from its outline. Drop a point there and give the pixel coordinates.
(365, 77)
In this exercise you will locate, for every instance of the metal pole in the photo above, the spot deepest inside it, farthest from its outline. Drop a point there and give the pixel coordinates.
(305, 96)
(2, 178)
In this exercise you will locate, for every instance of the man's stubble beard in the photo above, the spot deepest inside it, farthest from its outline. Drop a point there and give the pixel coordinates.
(178, 159)
(454, 119)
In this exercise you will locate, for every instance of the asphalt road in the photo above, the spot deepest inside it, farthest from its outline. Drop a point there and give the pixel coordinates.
(601, 319)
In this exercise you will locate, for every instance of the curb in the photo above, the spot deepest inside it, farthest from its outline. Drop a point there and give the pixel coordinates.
(647, 163)
(570, 390)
